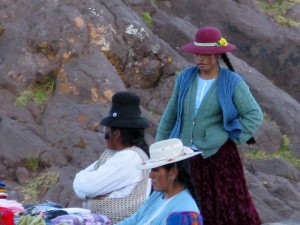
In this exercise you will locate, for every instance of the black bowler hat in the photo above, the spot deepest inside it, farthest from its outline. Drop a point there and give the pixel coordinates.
(125, 112)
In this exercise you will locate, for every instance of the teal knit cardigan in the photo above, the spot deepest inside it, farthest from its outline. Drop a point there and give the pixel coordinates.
(226, 85)
(227, 110)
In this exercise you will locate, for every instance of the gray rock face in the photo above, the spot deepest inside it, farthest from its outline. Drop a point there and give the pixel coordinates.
(91, 49)
(287, 222)
(294, 13)
(22, 175)
(275, 167)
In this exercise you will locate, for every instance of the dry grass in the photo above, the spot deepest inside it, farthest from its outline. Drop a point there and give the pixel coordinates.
(284, 153)
(34, 189)
(278, 11)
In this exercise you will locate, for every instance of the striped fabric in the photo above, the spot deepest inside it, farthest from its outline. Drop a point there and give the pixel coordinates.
(184, 218)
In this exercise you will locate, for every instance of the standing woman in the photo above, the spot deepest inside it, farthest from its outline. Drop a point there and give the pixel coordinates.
(212, 110)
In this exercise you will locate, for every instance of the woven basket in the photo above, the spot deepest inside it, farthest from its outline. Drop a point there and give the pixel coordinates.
(118, 209)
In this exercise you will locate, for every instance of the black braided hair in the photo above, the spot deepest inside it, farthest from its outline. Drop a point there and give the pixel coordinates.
(230, 67)
(227, 62)
(184, 176)
(133, 136)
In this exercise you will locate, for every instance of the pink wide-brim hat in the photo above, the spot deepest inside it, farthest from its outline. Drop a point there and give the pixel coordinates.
(208, 40)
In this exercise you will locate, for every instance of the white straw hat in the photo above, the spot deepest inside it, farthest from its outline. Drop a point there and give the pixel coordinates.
(166, 152)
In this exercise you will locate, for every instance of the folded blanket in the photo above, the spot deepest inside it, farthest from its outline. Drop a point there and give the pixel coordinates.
(82, 219)
(13, 205)
(31, 220)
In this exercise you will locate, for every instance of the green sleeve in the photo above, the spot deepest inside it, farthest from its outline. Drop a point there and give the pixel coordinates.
(250, 114)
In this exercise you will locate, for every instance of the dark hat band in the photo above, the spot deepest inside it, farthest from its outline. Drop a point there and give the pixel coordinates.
(125, 111)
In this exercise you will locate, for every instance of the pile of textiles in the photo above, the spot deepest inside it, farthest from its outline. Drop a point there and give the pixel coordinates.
(31, 220)
(50, 213)
(13, 205)
(6, 216)
(3, 191)
(82, 218)
(37, 214)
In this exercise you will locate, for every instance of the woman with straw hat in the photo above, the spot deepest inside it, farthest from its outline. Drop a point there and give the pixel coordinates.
(173, 190)
(212, 110)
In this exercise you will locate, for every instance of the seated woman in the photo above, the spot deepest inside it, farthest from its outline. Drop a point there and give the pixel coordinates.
(113, 186)
(173, 190)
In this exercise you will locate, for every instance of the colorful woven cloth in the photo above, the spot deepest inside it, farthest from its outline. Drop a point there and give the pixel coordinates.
(2, 184)
(184, 218)
(13, 205)
(31, 220)
(82, 219)
(3, 191)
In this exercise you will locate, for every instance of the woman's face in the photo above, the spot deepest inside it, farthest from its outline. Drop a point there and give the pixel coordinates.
(206, 63)
(108, 137)
(161, 179)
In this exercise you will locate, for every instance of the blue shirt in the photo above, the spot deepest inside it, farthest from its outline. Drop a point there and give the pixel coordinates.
(183, 201)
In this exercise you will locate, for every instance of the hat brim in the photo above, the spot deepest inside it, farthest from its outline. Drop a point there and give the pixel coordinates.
(207, 50)
(126, 123)
(149, 165)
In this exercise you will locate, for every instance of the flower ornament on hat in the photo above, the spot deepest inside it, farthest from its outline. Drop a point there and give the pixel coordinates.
(166, 152)
(125, 112)
(208, 40)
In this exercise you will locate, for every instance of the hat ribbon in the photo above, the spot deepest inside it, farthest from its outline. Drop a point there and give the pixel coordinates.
(185, 151)
(221, 42)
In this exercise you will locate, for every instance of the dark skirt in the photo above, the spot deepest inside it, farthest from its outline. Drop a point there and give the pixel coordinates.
(220, 184)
